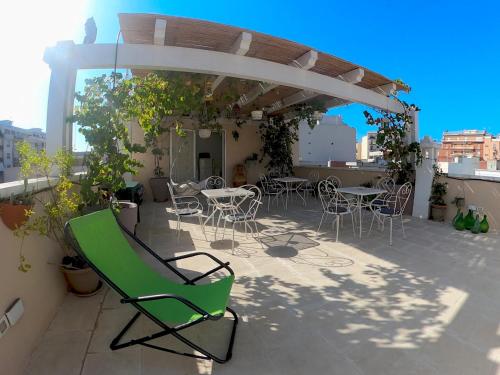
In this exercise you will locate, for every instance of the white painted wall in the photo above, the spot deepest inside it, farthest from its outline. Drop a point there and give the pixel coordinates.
(463, 166)
(332, 139)
(423, 178)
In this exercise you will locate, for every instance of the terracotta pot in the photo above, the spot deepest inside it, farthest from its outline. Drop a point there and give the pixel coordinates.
(438, 212)
(159, 188)
(83, 281)
(13, 215)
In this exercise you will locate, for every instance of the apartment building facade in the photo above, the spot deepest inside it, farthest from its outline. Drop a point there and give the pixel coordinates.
(10, 135)
(367, 149)
(469, 144)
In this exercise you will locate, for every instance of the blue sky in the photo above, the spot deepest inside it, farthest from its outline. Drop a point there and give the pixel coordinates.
(448, 51)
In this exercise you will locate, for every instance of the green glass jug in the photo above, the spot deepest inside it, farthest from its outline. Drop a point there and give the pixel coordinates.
(460, 223)
(485, 227)
(469, 220)
(455, 218)
(476, 228)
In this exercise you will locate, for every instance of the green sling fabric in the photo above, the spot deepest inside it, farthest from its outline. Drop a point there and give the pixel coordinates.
(101, 240)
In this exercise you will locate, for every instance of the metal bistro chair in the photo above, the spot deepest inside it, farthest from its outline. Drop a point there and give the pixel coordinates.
(337, 182)
(185, 206)
(272, 189)
(309, 187)
(245, 213)
(395, 207)
(213, 182)
(386, 183)
(334, 203)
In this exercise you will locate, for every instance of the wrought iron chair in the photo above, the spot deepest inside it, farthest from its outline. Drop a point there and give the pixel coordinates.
(309, 188)
(245, 215)
(337, 182)
(388, 184)
(335, 204)
(394, 208)
(213, 182)
(272, 189)
(185, 206)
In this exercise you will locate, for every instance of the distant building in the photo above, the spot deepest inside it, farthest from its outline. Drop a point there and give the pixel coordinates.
(469, 144)
(368, 148)
(330, 140)
(9, 157)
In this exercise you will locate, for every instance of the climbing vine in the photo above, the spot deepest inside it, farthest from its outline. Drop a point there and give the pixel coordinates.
(278, 135)
(401, 157)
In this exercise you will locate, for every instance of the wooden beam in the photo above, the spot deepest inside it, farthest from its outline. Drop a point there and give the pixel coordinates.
(354, 76)
(240, 47)
(160, 32)
(152, 57)
(387, 90)
(304, 62)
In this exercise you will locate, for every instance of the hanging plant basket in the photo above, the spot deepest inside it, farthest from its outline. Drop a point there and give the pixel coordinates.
(257, 115)
(205, 133)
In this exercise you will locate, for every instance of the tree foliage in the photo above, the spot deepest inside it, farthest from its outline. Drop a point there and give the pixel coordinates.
(279, 134)
(57, 204)
(391, 138)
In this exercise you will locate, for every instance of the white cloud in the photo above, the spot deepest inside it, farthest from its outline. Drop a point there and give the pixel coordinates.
(26, 29)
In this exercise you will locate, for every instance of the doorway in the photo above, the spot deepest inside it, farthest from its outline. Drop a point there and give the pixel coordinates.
(193, 158)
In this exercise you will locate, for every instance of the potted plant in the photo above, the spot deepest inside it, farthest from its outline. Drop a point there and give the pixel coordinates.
(14, 210)
(158, 183)
(438, 191)
(54, 206)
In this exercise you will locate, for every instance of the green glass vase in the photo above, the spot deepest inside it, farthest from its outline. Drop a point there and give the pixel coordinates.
(469, 220)
(460, 222)
(455, 218)
(485, 227)
(476, 228)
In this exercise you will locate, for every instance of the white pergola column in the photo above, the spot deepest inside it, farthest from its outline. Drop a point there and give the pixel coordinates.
(424, 174)
(412, 135)
(61, 96)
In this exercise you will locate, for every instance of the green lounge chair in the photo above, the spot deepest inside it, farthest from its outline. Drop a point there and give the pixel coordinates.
(173, 307)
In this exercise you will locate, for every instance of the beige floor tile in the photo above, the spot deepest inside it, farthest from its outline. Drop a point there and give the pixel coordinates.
(429, 304)
(59, 353)
(113, 363)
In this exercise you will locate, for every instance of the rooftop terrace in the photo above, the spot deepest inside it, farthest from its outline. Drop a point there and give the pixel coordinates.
(429, 304)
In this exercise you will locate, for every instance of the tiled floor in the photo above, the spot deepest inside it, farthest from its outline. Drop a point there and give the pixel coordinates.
(430, 304)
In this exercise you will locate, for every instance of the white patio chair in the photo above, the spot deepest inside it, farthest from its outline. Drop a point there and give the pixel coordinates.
(245, 214)
(386, 183)
(337, 182)
(335, 204)
(185, 206)
(309, 188)
(213, 182)
(394, 208)
(272, 189)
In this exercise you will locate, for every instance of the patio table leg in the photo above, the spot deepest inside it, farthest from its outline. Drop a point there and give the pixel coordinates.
(360, 198)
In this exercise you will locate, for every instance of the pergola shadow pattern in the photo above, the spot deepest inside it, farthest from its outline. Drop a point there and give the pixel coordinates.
(426, 305)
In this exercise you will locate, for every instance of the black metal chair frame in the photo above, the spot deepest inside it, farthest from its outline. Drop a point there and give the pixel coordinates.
(166, 330)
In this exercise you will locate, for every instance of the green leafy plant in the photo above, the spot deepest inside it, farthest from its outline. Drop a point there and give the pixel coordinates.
(103, 114)
(279, 134)
(439, 189)
(56, 204)
(391, 138)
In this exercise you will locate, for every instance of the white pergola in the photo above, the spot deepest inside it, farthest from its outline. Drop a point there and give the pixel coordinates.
(66, 58)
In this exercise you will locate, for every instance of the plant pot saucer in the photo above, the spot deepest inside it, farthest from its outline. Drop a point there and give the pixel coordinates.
(97, 290)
